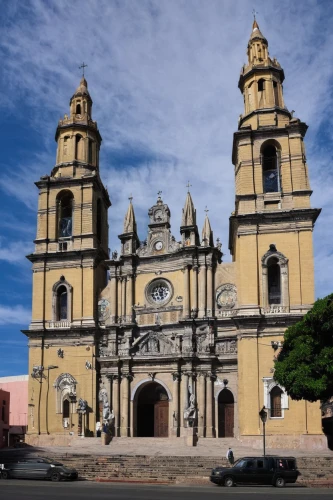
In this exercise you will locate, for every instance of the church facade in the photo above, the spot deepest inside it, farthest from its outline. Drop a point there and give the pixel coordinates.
(165, 336)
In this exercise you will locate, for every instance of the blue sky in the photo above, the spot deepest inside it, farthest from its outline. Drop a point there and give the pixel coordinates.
(163, 77)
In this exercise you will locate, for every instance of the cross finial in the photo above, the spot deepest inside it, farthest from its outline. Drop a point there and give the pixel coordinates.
(206, 210)
(188, 185)
(159, 194)
(130, 198)
(254, 12)
(83, 66)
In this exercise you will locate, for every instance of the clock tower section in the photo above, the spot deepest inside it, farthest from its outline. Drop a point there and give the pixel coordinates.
(69, 273)
(271, 227)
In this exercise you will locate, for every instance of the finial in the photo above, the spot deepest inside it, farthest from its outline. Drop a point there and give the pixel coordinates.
(206, 210)
(83, 66)
(188, 185)
(130, 198)
(159, 194)
(254, 12)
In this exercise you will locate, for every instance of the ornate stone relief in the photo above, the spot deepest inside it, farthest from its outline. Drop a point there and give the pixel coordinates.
(103, 309)
(226, 296)
(226, 346)
(154, 344)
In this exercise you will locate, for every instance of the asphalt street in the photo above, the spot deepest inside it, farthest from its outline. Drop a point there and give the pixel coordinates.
(34, 490)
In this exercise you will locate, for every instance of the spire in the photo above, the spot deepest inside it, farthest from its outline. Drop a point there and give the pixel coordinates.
(82, 89)
(129, 222)
(189, 212)
(256, 33)
(207, 233)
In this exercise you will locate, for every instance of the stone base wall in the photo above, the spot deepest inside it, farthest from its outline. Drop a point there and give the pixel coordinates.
(287, 441)
(49, 440)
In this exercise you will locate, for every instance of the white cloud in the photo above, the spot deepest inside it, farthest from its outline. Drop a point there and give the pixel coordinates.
(14, 252)
(163, 76)
(15, 315)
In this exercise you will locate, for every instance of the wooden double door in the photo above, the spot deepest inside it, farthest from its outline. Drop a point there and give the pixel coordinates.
(153, 412)
(226, 416)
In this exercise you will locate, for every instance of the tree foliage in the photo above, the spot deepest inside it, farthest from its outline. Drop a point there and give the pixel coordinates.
(304, 366)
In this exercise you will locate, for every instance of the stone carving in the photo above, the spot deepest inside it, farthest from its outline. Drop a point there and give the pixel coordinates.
(190, 412)
(66, 380)
(227, 346)
(108, 416)
(107, 350)
(226, 296)
(103, 309)
(275, 309)
(82, 406)
(124, 347)
(155, 344)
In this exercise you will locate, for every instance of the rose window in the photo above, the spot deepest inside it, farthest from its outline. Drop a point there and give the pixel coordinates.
(159, 292)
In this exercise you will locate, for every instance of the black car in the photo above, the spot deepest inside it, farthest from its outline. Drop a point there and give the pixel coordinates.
(269, 470)
(37, 468)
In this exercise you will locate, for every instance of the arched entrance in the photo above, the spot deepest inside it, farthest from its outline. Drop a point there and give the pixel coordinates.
(152, 411)
(226, 413)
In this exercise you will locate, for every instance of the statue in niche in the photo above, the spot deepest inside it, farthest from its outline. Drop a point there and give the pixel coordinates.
(190, 413)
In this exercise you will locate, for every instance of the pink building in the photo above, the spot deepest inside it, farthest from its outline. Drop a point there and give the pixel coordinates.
(4, 418)
(17, 387)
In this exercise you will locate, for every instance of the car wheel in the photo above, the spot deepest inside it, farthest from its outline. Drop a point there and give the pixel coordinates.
(5, 474)
(280, 482)
(55, 476)
(228, 481)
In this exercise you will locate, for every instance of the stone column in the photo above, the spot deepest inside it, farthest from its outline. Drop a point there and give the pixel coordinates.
(119, 299)
(210, 405)
(194, 304)
(186, 306)
(114, 299)
(125, 392)
(116, 403)
(201, 404)
(184, 398)
(176, 413)
(123, 298)
(202, 291)
(209, 290)
(129, 299)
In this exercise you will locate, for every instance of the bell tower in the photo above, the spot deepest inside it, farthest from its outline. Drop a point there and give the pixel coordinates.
(69, 272)
(271, 227)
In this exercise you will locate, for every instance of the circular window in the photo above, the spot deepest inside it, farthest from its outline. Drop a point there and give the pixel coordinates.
(159, 292)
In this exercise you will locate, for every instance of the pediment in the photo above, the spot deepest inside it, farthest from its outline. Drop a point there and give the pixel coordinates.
(154, 344)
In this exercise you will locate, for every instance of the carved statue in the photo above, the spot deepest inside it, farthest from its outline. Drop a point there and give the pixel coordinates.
(108, 416)
(83, 405)
(190, 413)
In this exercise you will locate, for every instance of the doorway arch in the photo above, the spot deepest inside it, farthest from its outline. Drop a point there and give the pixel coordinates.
(226, 404)
(152, 410)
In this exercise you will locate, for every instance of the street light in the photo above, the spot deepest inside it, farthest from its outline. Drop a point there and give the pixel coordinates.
(50, 367)
(263, 416)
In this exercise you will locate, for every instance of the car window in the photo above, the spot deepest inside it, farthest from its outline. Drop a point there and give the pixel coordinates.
(291, 464)
(250, 464)
(281, 463)
(241, 463)
(260, 464)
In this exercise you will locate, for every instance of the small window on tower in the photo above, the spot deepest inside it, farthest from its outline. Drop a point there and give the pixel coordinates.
(271, 181)
(65, 214)
(276, 93)
(274, 281)
(62, 303)
(78, 109)
(90, 151)
(66, 145)
(261, 85)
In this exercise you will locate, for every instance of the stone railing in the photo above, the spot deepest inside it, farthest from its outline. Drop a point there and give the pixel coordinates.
(59, 324)
(275, 309)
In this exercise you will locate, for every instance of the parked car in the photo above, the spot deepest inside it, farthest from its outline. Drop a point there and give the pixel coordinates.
(37, 468)
(270, 470)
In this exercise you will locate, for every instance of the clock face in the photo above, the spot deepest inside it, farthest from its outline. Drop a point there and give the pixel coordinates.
(158, 245)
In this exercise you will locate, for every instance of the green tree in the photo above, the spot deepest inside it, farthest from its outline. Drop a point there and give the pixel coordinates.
(304, 366)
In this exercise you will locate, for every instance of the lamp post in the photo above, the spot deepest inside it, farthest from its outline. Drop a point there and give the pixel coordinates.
(263, 416)
(50, 367)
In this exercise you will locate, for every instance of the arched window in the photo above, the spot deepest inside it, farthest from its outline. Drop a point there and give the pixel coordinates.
(65, 214)
(274, 281)
(78, 109)
(66, 145)
(62, 304)
(90, 151)
(276, 402)
(271, 181)
(79, 147)
(276, 93)
(99, 220)
(65, 408)
(261, 85)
